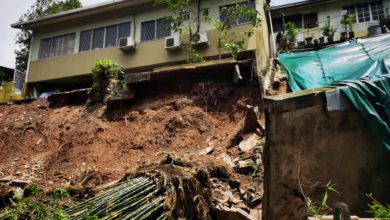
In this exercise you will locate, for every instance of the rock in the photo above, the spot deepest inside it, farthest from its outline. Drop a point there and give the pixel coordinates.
(249, 142)
(207, 150)
(226, 213)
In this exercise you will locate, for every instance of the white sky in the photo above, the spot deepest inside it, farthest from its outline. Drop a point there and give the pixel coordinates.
(10, 12)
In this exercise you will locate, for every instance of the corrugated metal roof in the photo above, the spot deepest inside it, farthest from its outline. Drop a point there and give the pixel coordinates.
(79, 12)
(298, 4)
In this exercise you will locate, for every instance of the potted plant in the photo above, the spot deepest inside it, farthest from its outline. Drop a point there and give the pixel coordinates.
(309, 42)
(291, 31)
(322, 39)
(328, 31)
(349, 20)
(343, 36)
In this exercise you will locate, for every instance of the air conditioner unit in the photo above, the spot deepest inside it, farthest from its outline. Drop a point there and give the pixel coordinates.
(173, 42)
(200, 38)
(126, 43)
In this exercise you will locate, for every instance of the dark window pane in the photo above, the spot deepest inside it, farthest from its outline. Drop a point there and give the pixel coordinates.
(363, 12)
(97, 38)
(377, 10)
(296, 19)
(111, 36)
(85, 40)
(277, 24)
(350, 9)
(44, 49)
(70, 40)
(310, 20)
(247, 19)
(163, 28)
(225, 13)
(124, 30)
(148, 30)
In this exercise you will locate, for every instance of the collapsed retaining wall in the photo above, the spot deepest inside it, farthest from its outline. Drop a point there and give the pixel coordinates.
(307, 146)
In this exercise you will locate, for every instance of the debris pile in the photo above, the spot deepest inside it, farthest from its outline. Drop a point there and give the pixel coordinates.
(213, 129)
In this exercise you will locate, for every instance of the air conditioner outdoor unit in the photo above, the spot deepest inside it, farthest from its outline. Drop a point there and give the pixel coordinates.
(173, 42)
(126, 43)
(200, 38)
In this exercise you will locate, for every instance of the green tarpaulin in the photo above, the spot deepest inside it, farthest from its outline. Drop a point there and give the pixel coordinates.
(360, 68)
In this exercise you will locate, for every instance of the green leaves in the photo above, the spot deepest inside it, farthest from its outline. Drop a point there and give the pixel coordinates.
(378, 210)
(291, 31)
(315, 209)
(108, 78)
(39, 9)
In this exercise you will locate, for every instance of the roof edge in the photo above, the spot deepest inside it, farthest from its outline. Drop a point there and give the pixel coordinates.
(91, 8)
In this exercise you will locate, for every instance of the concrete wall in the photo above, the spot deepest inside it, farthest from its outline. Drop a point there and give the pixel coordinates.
(333, 10)
(307, 147)
(147, 54)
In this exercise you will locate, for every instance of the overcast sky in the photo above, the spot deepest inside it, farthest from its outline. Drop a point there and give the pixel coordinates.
(10, 12)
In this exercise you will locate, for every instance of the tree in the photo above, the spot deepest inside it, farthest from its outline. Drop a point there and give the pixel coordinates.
(183, 21)
(229, 15)
(39, 9)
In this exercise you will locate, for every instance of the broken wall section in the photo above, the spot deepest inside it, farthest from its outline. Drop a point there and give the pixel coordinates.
(307, 147)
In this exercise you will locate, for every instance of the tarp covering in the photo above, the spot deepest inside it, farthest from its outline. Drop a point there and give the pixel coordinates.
(360, 68)
(350, 60)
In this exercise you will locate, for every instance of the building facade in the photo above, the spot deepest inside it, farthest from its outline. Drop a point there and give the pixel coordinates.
(310, 16)
(65, 46)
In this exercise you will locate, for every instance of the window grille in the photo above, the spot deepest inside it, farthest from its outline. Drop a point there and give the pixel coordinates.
(97, 38)
(296, 19)
(363, 12)
(310, 20)
(226, 11)
(148, 30)
(104, 37)
(85, 40)
(111, 36)
(56, 46)
(377, 10)
(163, 29)
(124, 30)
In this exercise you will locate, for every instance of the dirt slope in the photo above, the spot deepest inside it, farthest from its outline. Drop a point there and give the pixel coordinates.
(77, 145)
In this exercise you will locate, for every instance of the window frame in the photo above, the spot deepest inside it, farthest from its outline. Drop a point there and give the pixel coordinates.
(57, 46)
(92, 30)
(237, 23)
(156, 37)
(370, 11)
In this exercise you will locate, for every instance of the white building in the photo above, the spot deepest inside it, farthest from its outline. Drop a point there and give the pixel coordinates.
(309, 16)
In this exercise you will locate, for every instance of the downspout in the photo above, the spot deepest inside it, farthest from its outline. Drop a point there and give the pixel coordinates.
(272, 33)
(134, 29)
(198, 18)
(28, 63)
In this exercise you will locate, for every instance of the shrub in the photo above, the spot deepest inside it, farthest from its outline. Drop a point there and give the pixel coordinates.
(108, 78)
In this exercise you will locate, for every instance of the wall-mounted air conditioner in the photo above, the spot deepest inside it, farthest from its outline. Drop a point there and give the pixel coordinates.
(200, 38)
(173, 42)
(127, 43)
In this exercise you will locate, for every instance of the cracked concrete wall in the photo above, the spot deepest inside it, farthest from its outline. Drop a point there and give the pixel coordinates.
(306, 147)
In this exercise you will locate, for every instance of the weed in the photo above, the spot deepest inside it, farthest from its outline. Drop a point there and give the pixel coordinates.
(377, 209)
(319, 209)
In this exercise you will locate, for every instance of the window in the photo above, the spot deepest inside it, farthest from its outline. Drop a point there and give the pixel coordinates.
(205, 13)
(111, 36)
(376, 10)
(363, 12)
(104, 37)
(225, 12)
(310, 20)
(97, 38)
(366, 12)
(57, 46)
(85, 40)
(155, 29)
(277, 24)
(296, 19)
